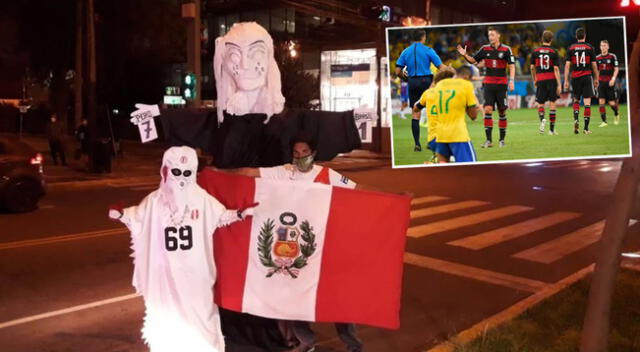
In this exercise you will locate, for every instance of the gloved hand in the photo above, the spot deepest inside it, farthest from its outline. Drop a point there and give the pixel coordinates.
(116, 210)
(247, 211)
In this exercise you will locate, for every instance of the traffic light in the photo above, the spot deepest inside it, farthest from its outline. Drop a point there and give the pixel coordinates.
(383, 13)
(190, 87)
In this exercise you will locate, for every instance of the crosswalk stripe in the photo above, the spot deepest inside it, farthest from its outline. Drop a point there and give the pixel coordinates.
(427, 199)
(553, 250)
(446, 208)
(503, 234)
(465, 220)
(515, 282)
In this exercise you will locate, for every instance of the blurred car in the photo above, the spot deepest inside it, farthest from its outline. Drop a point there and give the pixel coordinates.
(22, 181)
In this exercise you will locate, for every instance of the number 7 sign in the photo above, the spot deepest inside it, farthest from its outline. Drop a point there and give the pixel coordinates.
(143, 118)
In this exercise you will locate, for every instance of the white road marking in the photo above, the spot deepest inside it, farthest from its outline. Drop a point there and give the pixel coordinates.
(441, 209)
(560, 247)
(55, 313)
(510, 232)
(427, 199)
(471, 272)
(465, 220)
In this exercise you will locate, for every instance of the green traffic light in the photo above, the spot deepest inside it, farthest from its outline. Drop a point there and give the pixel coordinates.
(189, 88)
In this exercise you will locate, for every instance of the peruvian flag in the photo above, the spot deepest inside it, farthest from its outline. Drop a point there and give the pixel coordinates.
(311, 252)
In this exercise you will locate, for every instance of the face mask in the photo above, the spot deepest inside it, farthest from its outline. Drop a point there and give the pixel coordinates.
(181, 178)
(304, 164)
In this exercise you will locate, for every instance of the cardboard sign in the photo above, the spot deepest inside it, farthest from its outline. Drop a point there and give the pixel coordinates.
(143, 118)
(364, 118)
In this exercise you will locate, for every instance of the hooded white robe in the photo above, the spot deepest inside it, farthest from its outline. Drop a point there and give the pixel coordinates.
(173, 256)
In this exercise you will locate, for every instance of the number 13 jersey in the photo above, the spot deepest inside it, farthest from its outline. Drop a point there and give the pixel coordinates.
(545, 58)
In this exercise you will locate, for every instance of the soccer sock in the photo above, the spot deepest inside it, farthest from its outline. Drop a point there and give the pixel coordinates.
(603, 113)
(502, 124)
(587, 117)
(415, 129)
(576, 111)
(488, 126)
(541, 113)
(615, 109)
(552, 118)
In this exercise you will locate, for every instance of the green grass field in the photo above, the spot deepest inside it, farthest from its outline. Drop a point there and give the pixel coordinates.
(523, 139)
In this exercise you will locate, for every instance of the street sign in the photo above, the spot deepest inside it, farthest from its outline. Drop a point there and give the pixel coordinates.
(364, 118)
(143, 118)
(173, 100)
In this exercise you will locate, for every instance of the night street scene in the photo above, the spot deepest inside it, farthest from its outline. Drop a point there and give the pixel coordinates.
(319, 175)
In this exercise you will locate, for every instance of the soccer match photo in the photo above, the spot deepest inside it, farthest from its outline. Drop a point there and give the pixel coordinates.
(510, 91)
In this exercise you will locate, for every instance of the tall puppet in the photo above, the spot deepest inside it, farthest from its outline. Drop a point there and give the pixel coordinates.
(252, 126)
(174, 269)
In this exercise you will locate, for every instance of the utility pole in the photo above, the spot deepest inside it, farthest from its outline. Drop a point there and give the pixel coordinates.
(22, 105)
(191, 14)
(77, 84)
(91, 85)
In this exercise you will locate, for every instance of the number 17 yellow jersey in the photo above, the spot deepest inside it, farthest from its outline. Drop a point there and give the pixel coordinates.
(452, 98)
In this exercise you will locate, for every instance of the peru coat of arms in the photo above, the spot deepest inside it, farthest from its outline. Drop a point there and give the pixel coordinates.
(292, 247)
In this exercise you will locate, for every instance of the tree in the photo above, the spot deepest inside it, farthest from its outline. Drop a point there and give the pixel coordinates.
(136, 42)
(298, 87)
(46, 35)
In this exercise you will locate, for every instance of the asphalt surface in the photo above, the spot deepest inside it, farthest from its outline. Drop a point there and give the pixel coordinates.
(460, 267)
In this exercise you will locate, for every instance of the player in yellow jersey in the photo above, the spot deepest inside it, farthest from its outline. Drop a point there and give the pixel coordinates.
(428, 100)
(455, 99)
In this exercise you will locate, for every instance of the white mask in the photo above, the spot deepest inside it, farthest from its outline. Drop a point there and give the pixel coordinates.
(247, 75)
(179, 167)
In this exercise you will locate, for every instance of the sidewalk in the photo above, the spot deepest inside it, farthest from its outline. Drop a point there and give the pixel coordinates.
(143, 161)
(137, 160)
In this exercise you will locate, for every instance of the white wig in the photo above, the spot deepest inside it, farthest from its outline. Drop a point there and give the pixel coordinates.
(272, 101)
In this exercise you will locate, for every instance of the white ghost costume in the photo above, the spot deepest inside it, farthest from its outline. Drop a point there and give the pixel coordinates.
(172, 241)
(247, 74)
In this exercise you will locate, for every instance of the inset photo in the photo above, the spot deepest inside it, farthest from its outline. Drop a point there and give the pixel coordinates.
(509, 92)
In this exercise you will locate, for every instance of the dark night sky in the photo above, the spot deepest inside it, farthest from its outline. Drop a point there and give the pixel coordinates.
(135, 39)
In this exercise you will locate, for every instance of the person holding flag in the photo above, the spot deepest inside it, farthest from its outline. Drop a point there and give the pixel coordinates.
(304, 169)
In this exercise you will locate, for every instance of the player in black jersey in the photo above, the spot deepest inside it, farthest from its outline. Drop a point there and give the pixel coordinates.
(608, 66)
(546, 79)
(497, 58)
(581, 62)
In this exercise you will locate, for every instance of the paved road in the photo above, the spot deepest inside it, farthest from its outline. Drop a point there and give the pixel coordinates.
(481, 239)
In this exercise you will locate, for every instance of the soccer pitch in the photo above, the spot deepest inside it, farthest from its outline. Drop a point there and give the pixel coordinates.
(523, 140)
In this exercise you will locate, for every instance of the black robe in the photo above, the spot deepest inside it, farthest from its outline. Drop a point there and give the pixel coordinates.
(245, 141)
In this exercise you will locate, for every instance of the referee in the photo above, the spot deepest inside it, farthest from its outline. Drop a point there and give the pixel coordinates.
(416, 61)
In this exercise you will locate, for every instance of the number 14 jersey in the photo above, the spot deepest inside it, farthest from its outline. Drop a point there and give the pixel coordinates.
(581, 55)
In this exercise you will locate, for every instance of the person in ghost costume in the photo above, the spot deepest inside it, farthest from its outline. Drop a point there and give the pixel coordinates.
(174, 269)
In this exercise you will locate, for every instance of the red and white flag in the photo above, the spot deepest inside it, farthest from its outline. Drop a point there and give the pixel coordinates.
(311, 252)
